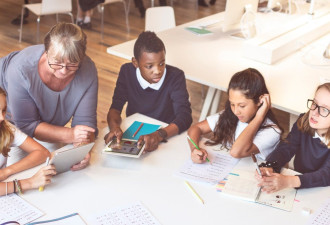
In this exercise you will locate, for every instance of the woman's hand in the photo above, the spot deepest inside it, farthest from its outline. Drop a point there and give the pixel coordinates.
(42, 177)
(198, 156)
(82, 134)
(116, 132)
(83, 164)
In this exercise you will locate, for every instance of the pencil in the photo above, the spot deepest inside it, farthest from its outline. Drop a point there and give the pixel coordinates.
(194, 192)
(41, 188)
(256, 163)
(137, 130)
(196, 146)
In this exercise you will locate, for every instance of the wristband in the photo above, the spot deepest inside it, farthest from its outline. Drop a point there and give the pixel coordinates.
(274, 165)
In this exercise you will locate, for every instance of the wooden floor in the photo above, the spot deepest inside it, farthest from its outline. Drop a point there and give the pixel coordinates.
(114, 33)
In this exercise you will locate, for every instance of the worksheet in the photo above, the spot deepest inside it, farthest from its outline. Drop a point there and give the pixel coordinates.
(135, 214)
(15, 208)
(322, 215)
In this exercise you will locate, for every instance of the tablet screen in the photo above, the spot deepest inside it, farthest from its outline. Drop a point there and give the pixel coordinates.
(128, 147)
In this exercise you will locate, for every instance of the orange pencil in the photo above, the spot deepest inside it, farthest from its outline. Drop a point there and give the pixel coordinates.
(138, 130)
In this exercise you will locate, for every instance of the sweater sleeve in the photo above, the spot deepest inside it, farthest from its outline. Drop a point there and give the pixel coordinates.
(318, 178)
(181, 104)
(119, 97)
(24, 111)
(287, 148)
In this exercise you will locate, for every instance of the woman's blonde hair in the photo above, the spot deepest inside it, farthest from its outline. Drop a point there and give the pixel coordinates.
(6, 133)
(303, 122)
(67, 41)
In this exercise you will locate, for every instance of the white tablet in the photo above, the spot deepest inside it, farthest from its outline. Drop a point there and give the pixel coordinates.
(64, 159)
(128, 148)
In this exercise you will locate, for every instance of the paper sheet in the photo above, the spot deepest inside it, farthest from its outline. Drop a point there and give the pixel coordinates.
(322, 215)
(222, 164)
(15, 208)
(135, 214)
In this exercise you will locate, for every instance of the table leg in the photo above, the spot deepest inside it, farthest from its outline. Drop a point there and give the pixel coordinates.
(293, 119)
(207, 103)
(215, 103)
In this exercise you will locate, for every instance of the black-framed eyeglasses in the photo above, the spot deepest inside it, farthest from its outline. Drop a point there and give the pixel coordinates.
(59, 67)
(324, 112)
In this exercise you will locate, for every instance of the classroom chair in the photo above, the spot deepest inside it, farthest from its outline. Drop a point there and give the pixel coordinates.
(126, 9)
(159, 18)
(46, 7)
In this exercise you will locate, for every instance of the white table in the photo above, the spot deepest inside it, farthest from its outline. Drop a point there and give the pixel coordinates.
(212, 60)
(111, 181)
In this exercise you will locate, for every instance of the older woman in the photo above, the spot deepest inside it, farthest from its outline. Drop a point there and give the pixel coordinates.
(48, 85)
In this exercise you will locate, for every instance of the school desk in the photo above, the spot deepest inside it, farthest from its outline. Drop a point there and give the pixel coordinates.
(110, 181)
(211, 60)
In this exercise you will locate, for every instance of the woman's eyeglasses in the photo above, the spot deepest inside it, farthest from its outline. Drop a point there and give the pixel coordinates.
(324, 112)
(59, 67)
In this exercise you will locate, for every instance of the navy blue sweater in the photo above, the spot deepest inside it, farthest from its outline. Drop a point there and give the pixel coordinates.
(312, 158)
(169, 104)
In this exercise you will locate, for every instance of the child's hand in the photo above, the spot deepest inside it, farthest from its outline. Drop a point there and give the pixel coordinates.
(151, 141)
(275, 182)
(264, 172)
(116, 132)
(265, 104)
(42, 177)
(198, 156)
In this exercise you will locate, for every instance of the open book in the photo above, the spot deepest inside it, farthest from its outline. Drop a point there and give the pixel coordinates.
(243, 184)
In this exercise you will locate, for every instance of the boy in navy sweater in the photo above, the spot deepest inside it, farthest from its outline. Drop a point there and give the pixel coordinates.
(152, 88)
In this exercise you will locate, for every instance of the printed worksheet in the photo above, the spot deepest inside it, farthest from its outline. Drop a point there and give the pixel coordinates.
(322, 215)
(209, 172)
(15, 208)
(135, 214)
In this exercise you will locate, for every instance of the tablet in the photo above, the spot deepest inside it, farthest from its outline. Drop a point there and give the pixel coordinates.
(64, 159)
(128, 148)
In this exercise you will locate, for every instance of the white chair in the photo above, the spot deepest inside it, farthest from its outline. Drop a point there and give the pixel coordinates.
(159, 18)
(46, 7)
(126, 9)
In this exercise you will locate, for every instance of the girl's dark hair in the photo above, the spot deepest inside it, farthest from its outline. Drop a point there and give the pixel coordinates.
(252, 84)
(147, 42)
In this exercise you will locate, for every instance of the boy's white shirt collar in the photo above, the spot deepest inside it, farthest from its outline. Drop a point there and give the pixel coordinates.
(316, 135)
(145, 84)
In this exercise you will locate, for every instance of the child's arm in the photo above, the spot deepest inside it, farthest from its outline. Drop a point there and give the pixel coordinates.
(243, 146)
(41, 178)
(195, 132)
(114, 121)
(37, 155)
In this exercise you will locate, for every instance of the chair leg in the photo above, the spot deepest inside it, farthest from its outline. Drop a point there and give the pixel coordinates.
(21, 29)
(126, 9)
(102, 20)
(56, 17)
(70, 14)
(38, 26)
(152, 3)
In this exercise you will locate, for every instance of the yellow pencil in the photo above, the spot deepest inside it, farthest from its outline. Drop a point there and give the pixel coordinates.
(194, 192)
(41, 188)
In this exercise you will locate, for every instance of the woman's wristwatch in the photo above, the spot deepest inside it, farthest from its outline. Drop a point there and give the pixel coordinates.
(163, 134)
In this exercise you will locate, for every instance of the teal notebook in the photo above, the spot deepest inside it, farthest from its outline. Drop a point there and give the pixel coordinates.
(146, 128)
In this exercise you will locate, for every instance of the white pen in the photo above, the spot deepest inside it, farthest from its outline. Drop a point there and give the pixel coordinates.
(41, 188)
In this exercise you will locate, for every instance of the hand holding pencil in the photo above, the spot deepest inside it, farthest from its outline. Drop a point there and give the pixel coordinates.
(198, 155)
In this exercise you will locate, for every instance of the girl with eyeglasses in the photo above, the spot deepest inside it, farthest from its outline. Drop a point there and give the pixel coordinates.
(49, 86)
(309, 143)
(11, 136)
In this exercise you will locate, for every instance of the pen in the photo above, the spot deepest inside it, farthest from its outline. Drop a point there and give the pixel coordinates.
(194, 192)
(41, 188)
(196, 146)
(138, 130)
(256, 163)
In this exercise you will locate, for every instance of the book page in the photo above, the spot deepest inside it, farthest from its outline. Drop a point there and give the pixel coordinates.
(211, 173)
(241, 184)
(15, 208)
(322, 215)
(134, 213)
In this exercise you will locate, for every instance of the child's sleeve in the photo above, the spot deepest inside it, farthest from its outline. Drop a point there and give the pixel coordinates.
(181, 104)
(119, 97)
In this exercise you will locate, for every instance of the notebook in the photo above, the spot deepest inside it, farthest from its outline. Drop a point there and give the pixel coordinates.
(199, 31)
(243, 185)
(147, 128)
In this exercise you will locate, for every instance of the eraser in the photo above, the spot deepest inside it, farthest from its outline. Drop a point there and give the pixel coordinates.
(306, 211)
